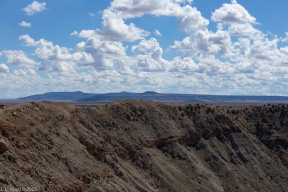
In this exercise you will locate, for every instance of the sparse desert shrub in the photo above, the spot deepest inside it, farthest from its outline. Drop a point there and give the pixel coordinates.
(281, 122)
(264, 120)
(257, 125)
(128, 117)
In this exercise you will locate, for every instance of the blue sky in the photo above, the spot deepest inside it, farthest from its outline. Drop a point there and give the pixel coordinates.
(171, 46)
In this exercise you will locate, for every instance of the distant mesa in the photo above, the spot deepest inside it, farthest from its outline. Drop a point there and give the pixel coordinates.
(150, 95)
(150, 92)
(58, 96)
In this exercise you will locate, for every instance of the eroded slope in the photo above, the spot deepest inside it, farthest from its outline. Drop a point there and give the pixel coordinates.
(132, 145)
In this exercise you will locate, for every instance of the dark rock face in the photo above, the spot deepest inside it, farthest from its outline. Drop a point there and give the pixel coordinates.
(2, 105)
(132, 145)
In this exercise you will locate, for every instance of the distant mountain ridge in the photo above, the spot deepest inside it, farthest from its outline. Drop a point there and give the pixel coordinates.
(149, 95)
(58, 96)
(185, 98)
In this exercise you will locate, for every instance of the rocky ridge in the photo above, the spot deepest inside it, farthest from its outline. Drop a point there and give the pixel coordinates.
(133, 145)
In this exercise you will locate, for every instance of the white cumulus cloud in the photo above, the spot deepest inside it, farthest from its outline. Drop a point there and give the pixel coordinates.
(232, 13)
(189, 18)
(74, 33)
(62, 68)
(31, 42)
(186, 66)
(206, 42)
(242, 29)
(18, 58)
(148, 47)
(149, 57)
(156, 32)
(103, 52)
(24, 24)
(285, 39)
(34, 7)
(57, 54)
(3, 76)
(4, 68)
(115, 29)
(25, 72)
